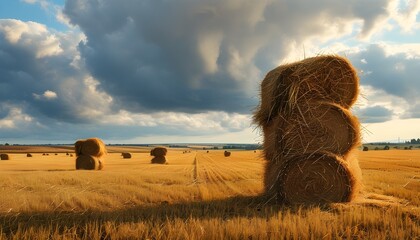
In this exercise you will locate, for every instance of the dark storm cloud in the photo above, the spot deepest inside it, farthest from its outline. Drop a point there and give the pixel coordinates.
(194, 56)
(375, 114)
(396, 74)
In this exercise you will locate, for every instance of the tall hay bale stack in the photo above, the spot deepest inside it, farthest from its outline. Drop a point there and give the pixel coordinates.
(227, 154)
(126, 155)
(4, 156)
(309, 134)
(159, 154)
(89, 153)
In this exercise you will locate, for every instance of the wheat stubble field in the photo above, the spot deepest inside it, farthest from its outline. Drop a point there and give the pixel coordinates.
(198, 195)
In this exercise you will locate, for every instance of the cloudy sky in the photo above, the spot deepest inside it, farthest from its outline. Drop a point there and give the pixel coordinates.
(153, 71)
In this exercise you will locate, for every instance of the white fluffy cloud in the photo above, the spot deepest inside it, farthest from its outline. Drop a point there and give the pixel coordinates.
(141, 68)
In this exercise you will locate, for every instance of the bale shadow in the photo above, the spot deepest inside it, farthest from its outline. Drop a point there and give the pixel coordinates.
(223, 209)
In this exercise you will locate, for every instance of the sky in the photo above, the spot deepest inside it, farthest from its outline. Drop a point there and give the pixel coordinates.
(189, 71)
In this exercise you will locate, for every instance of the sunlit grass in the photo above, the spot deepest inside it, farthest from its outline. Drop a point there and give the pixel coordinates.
(198, 195)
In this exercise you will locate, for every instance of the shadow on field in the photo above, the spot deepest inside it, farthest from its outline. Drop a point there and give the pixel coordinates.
(224, 209)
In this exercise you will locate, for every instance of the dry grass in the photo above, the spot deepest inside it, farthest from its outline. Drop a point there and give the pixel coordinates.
(199, 195)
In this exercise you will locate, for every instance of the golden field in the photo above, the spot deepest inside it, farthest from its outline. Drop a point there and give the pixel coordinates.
(198, 195)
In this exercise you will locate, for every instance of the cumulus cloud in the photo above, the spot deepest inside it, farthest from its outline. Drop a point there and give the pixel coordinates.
(202, 55)
(394, 74)
(144, 68)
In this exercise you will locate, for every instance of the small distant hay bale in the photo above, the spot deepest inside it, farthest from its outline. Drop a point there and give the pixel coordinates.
(126, 155)
(322, 78)
(207, 151)
(28, 155)
(365, 149)
(56, 154)
(67, 154)
(314, 179)
(91, 146)
(71, 155)
(87, 162)
(227, 154)
(158, 152)
(159, 160)
(44, 154)
(4, 156)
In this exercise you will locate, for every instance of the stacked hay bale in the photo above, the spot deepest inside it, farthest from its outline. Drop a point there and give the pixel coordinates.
(126, 155)
(310, 136)
(159, 154)
(89, 153)
(4, 156)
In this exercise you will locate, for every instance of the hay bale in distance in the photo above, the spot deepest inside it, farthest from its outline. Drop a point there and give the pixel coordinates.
(4, 156)
(126, 155)
(158, 152)
(159, 160)
(28, 155)
(365, 149)
(227, 154)
(93, 147)
(87, 162)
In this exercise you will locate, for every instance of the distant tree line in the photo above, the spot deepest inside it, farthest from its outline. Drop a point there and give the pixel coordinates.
(413, 141)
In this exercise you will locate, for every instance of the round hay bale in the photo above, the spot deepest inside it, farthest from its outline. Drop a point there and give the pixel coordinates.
(323, 78)
(159, 160)
(126, 155)
(28, 155)
(78, 147)
(365, 149)
(158, 152)
(91, 146)
(319, 127)
(4, 156)
(316, 179)
(87, 162)
(227, 154)
(327, 127)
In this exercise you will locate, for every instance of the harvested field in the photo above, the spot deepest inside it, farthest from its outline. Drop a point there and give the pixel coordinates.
(198, 195)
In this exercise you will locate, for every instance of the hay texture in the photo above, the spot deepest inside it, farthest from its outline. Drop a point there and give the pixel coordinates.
(310, 136)
(159, 160)
(314, 179)
(86, 162)
(327, 78)
(126, 155)
(89, 153)
(227, 154)
(158, 152)
(4, 156)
